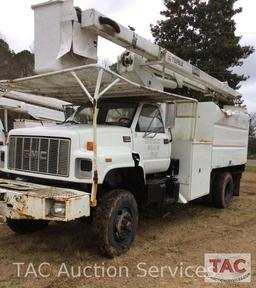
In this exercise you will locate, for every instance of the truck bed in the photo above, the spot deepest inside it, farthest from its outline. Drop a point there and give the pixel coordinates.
(206, 138)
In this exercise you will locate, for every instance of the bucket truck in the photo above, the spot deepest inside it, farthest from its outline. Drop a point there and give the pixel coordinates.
(129, 144)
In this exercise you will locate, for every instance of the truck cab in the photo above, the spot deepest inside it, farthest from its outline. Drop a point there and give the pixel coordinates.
(129, 134)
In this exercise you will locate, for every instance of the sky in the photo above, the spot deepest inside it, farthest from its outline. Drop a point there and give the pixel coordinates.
(17, 28)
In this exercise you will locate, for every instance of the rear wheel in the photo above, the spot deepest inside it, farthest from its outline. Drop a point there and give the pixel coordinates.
(24, 226)
(115, 222)
(223, 190)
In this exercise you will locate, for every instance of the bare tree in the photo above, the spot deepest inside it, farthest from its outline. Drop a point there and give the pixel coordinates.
(252, 137)
(252, 129)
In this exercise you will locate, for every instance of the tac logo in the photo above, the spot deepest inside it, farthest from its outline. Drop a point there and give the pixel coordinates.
(227, 268)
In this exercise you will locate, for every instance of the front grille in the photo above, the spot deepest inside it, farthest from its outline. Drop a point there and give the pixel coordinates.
(39, 155)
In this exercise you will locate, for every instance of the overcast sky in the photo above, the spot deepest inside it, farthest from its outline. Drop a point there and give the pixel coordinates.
(17, 27)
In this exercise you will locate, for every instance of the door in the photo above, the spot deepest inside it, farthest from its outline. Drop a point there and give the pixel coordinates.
(151, 140)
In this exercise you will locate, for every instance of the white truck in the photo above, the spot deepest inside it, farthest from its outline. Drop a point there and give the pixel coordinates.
(129, 143)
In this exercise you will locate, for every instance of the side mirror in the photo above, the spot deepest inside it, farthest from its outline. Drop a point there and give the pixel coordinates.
(68, 111)
(170, 131)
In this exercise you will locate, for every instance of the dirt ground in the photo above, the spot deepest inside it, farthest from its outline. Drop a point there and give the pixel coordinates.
(178, 235)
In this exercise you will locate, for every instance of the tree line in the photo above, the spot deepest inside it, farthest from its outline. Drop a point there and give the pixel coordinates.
(15, 65)
(252, 137)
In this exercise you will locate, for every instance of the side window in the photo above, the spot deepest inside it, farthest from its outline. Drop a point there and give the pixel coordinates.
(150, 120)
(120, 115)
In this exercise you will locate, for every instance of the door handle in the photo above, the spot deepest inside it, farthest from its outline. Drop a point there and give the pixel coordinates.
(166, 141)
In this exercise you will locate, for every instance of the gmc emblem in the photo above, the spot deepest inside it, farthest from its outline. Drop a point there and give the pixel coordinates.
(41, 155)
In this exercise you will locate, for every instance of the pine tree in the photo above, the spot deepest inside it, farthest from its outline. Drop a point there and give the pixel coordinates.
(178, 33)
(203, 32)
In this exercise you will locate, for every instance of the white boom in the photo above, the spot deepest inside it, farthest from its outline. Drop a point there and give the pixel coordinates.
(179, 70)
(31, 99)
(76, 35)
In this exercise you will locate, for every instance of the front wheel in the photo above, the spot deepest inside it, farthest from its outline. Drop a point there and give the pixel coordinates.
(115, 222)
(24, 226)
(223, 190)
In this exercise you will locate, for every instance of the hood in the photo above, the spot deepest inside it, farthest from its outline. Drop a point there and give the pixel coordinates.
(67, 129)
(106, 134)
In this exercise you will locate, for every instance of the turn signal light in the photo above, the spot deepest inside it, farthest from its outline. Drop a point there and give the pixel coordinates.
(89, 146)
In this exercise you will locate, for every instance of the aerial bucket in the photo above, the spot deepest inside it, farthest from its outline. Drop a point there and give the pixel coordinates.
(60, 42)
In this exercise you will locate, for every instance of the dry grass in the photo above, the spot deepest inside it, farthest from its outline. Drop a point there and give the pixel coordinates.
(165, 237)
(251, 168)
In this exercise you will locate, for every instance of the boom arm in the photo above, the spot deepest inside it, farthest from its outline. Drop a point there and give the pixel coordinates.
(158, 58)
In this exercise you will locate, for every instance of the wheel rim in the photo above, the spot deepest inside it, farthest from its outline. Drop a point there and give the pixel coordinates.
(123, 225)
(228, 192)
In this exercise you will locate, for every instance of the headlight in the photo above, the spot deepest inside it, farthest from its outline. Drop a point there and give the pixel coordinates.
(86, 165)
(83, 168)
(58, 209)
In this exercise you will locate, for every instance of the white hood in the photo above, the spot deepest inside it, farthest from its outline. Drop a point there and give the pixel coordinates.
(107, 135)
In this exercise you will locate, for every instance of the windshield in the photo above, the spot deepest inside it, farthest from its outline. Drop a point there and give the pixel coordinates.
(108, 114)
(83, 115)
